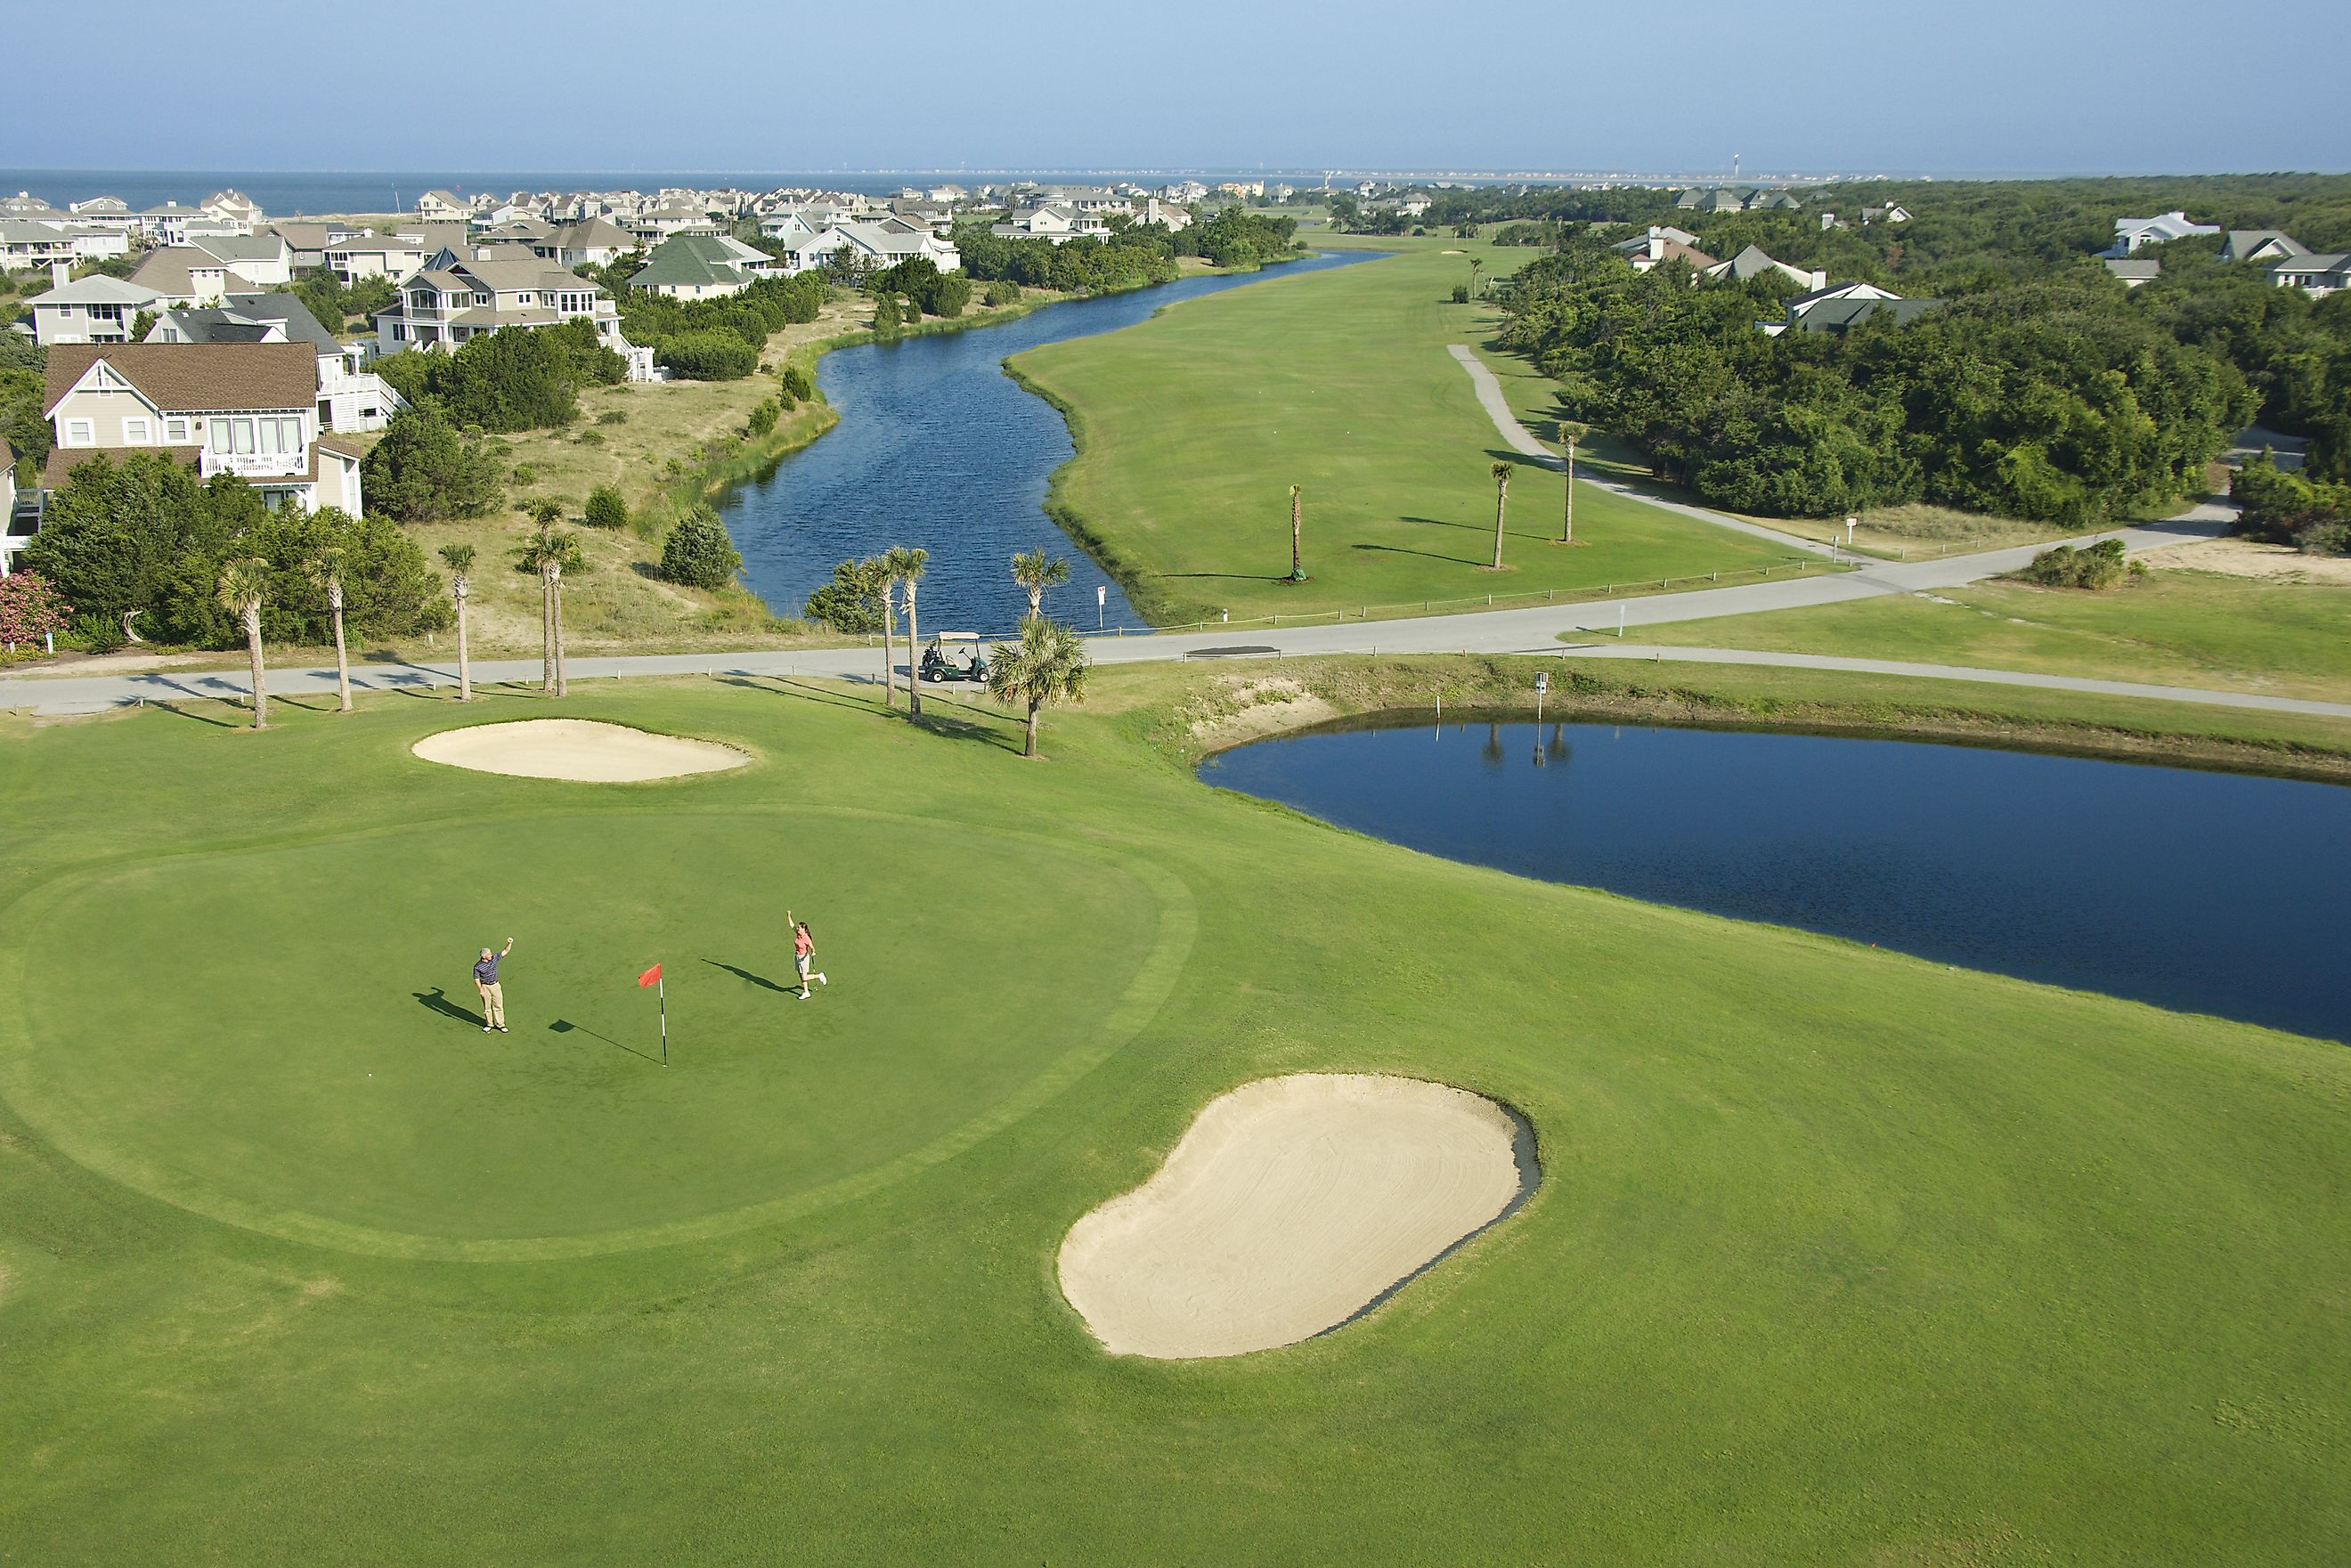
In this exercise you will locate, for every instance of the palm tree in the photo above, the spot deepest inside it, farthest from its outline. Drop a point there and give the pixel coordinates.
(550, 551)
(461, 561)
(242, 583)
(1476, 267)
(884, 575)
(1037, 571)
(1570, 434)
(1501, 473)
(326, 567)
(1047, 665)
(1297, 518)
(905, 566)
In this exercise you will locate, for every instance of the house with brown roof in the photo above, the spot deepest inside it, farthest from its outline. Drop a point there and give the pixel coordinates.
(246, 409)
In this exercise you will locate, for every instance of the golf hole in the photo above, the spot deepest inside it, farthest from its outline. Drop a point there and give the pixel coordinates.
(576, 748)
(1293, 1206)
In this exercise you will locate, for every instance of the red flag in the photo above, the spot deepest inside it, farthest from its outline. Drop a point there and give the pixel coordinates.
(649, 978)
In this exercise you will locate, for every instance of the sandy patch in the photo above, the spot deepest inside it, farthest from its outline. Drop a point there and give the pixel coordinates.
(2248, 558)
(1251, 709)
(1291, 1206)
(576, 748)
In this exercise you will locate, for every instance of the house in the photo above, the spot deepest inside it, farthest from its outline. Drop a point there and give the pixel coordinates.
(2132, 232)
(656, 224)
(2135, 271)
(443, 206)
(1155, 210)
(30, 243)
(374, 255)
(24, 204)
(1710, 198)
(1842, 307)
(2316, 274)
(168, 224)
(15, 532)
(451, 300)
(93, 309)
(246, 409)
(307, 242)
(186, 276)
(234, 207)
(112, 211)
(1773, 202)
(2260, 245)
(1648, 240)
(1892, 213)
(881, 244)
(1052, 222)
(349, 397)
(262, 260)
(702, 266)
(1752, 262)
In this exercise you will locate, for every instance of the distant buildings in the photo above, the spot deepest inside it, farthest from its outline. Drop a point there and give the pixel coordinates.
(1752, 262)
(1738, 198)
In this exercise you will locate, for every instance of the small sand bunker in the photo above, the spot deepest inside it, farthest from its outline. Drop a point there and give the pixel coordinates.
(576, 748)
(1289, 1206)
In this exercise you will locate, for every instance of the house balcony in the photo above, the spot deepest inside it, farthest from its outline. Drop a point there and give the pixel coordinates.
(254, 465)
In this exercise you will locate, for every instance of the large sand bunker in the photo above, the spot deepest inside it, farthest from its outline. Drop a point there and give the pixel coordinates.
(1289, 1206)
(576, 748)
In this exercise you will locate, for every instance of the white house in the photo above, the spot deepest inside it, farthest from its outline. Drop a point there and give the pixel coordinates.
(308, 241)
(1841, 307)
(374, 255)
(2316, 274)
(442, 207)
(29, 242)
(234, 207)
(2132, 232)
(702, 267)
(94, 309)
(451, 300)
(263, 261)
(1052, 222)
(349, 397)
(1155, 210)
(1892, 213)
(168, 224)
(2260, 245)
(246, 409)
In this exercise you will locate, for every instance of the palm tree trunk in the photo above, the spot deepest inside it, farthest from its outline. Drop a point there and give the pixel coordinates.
(889, 652)
(546, 632)
(464, 663)
(1501, 504)
(1029, 747)
(1036, 602)
(260, 683)
(1567, 524)
(555, 620)
(342, 659)
(914, 656)
(1296, 559)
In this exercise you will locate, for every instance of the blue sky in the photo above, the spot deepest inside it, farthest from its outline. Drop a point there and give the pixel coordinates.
(1997, 85)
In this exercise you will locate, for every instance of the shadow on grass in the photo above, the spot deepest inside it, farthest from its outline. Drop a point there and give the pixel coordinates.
(565, 1025)
(963, 723)
(1425, 554)
(199, 717)
(760, 980)
(789, 687)
(436, 1001)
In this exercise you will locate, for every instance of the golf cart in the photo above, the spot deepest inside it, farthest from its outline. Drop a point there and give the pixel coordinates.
(953, 656)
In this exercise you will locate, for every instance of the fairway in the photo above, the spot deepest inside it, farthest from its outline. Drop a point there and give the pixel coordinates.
(1192, 427)
(1836, 1256)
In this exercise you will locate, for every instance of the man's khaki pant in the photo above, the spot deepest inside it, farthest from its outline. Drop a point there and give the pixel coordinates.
(493, 1005)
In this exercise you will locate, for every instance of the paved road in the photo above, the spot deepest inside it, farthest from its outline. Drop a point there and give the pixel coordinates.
(1537, 630)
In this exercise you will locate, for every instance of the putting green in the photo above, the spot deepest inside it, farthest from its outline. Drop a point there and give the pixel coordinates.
(301, 1052)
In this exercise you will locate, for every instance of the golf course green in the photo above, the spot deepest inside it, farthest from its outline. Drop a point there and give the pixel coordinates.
(1837, 1257)
(1192, 427)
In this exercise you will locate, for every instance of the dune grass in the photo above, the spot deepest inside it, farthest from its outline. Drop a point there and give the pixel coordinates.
(1839, 1257)
(1192, 427)
(2173, 626)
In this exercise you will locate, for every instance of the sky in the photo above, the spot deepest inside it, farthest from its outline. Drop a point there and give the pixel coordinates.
(1993, 86)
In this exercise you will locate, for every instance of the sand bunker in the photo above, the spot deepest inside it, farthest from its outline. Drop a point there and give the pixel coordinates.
(1291, 1206)
(576, 748)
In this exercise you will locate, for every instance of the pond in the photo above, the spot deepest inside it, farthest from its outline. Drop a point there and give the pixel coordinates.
(2214, 892)
(938, 448)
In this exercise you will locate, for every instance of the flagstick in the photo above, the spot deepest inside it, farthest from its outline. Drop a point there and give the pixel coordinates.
(661, 996)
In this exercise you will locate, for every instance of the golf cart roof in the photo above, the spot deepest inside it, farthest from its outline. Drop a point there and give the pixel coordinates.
(955, 637)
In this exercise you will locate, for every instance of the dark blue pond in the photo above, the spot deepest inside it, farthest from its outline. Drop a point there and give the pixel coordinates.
(2212, 893)
(938, 448)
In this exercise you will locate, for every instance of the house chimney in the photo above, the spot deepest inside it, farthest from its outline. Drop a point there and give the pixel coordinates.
(61, 274)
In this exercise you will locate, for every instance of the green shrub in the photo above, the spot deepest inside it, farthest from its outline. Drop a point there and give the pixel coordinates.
(709, 355)
(524, 474)
(697, 553)
(2098, 566)
(606, 509)
(591, 438)
(424, 471)
(763, 417)
(614, 416)
(1002, 291)
(1461, 294)
(93, 634)
(798, 384)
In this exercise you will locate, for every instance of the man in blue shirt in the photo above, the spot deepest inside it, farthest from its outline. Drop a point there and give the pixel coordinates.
(493, 996)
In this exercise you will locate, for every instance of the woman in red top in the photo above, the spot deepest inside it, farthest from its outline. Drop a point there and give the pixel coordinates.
(803, 952)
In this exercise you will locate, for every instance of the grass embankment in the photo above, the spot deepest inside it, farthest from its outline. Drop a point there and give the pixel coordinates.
(2174, 627)
(1839, 1256)
(1192, 427)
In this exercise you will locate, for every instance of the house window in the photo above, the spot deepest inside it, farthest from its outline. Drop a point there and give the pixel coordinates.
(175, 430)
(81, 433)
(135, 432)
